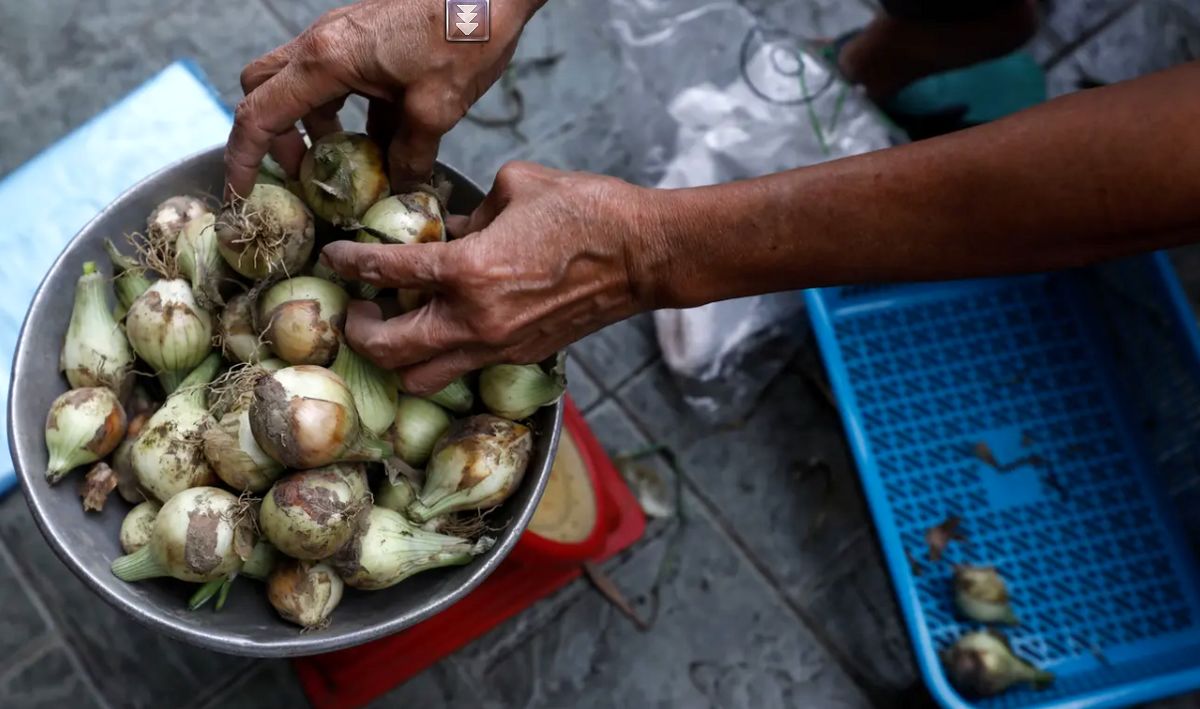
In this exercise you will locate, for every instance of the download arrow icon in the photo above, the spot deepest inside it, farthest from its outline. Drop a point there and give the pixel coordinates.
(470, 20)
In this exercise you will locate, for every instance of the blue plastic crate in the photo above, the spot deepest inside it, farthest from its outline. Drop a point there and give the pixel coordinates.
(1092, 379)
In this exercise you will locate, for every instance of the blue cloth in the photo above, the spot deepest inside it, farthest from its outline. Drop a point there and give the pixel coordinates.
(46, 201)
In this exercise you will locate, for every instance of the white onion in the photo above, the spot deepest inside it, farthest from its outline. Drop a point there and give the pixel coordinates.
(391, 549)
(341, 176)
(82, 426)
(477, 465)
(301, 319)
(195, 538)
(169, 330)
(95, 351)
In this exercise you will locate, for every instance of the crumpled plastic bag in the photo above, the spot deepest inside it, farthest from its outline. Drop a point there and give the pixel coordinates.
(744, 101)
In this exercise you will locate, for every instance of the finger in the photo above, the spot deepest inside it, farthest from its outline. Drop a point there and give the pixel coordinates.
(288, 150)
(381, 121)
(411, 154)
(432, 376)
(387, 265)
(400, 341)
(486, 212)
(271, 110)
(456, 225)
(324, 120)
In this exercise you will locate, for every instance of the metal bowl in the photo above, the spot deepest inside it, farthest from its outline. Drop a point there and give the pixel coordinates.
(87, 543)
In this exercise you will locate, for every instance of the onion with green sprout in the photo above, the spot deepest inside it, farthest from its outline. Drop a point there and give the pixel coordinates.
(261, 562)
(169, 330)
(341, 176)
(95, 352)
(419, 425)
(168, 456)
(456, 397)
(270, 233)
(240, 340)
(374, 393)
(477, 465)
(83, 426)
(409, 218)
(304, 592)
(130, 279)
(199, 260)
(982, 664)
(138, 526)
(305, 417)
(311, 514)
(516, 391)
(196, 537)
(391, 549)
(301, 319)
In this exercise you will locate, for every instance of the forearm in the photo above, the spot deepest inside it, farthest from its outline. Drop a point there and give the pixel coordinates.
(1087, 177)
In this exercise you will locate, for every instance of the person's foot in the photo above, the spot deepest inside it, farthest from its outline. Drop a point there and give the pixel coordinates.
(891, 53)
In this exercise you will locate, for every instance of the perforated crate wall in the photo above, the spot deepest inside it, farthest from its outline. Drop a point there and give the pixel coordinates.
(1085, 388)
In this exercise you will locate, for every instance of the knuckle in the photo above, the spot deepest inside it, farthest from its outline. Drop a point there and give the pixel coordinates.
(371, 265)
(515, 172)
(377, 346)
(322, 40)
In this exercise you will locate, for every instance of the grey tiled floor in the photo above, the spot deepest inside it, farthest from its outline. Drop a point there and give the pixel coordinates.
(767, 608)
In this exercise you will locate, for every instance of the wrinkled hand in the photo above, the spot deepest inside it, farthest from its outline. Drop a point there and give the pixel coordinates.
(394, 52)
(546, 260)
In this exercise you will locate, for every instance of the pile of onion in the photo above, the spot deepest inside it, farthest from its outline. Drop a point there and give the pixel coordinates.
(213, 389)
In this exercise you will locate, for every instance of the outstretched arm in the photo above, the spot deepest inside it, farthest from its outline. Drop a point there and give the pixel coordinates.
(552, 256)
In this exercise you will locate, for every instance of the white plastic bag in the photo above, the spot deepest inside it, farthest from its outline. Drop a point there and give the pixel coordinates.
(720, 98)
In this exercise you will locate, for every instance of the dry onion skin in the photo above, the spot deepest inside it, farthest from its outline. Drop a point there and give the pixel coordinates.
(477, 465)
(341, 176)
(270, 233)
(195, 538)
(83, 426)
(302, 319)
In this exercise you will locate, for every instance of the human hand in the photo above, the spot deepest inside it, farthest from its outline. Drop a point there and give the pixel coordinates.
(393, 52)
(548, 257)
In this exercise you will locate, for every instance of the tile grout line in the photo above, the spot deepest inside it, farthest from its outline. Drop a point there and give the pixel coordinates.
(30, 653)
(847, 666)
(53, 626)
(212, 698)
